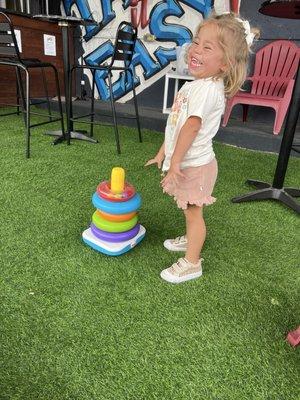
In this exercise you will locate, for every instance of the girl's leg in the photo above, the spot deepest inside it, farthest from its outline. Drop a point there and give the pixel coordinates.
(195, 232)
(189, 267)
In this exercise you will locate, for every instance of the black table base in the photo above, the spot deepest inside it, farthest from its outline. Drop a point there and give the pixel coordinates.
(65, 22)
(73, 135)
(276, 191)
(267, 192)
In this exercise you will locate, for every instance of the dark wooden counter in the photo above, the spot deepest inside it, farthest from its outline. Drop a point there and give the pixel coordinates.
(32, 31)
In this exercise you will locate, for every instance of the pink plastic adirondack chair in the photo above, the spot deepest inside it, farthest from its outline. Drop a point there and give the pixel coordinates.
(272, 82)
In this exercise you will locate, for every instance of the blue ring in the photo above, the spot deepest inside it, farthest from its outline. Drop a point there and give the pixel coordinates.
(117, 207)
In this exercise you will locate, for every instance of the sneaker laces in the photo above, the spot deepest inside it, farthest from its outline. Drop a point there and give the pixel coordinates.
(180, 240)
(181, 265)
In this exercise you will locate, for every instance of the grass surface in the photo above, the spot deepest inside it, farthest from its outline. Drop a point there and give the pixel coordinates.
(76, 324)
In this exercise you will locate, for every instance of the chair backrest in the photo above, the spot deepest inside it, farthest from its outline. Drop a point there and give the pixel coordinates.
(275, 65)
(8, 42)
(124, 44)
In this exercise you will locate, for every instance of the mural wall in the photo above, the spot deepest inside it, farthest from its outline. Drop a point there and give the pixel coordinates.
(162, 25)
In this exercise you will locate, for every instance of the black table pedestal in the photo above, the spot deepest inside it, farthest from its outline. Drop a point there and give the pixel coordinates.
(65, 22)
(73, 135)
(276, 191)
(70, 134)
(266, 191)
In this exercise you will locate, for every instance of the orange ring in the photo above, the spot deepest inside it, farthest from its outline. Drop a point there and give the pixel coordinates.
(116, 217)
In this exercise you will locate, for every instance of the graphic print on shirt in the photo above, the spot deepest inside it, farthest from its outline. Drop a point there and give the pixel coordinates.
(179, 105)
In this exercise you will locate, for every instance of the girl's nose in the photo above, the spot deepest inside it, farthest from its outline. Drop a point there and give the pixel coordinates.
(198, 50)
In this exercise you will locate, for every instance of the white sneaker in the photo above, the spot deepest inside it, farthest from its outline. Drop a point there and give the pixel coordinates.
(182, 271)
(177, 244)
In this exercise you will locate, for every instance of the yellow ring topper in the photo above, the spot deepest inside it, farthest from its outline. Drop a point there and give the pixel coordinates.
(117, 180)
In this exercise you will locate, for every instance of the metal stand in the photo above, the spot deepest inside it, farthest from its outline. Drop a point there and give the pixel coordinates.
(276, 191)
(70, 134)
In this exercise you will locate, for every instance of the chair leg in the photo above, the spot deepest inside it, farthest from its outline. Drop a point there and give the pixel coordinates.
(69, 105)
(17, 92)
(136, 108)
(245, 112)
(92, 105)
(228, 109)
(27, 125)
(279, 118)
(59, 102)
(114, 113)
(21, 92)
(47, 94)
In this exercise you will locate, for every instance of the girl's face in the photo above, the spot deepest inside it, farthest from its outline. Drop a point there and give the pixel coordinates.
(205, 56)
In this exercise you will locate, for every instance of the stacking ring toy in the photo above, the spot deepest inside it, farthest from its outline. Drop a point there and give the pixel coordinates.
(110, 226)
(115, 217)
(115, 237)
(114, 229)
(114, 207)
(104, 191)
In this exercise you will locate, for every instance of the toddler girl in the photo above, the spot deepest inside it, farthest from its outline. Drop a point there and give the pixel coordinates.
(217, 59)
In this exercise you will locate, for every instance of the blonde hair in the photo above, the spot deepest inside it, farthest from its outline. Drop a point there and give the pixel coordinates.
(232, 39)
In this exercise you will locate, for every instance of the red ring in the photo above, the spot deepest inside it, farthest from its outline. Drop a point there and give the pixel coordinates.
(103, 190)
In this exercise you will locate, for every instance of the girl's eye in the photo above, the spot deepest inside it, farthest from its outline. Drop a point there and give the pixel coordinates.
(207, 47)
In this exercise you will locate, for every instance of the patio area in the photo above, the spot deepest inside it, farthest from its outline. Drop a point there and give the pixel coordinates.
(79, 324)
(255, 134)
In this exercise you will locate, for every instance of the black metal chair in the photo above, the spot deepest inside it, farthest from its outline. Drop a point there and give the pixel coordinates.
(10, 56)
(123, 51)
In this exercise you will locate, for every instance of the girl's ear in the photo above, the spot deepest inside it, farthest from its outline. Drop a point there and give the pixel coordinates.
(224, 68)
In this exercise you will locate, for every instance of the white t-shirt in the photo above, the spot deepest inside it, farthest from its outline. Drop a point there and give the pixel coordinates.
(202, 98)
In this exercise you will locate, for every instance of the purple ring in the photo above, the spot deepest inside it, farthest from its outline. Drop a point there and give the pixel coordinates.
(115, 237)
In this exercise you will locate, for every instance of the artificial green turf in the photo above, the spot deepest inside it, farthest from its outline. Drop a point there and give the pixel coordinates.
(76, 324)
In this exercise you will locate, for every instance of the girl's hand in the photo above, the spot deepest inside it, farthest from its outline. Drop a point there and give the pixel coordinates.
(172, 176)
(158, 159)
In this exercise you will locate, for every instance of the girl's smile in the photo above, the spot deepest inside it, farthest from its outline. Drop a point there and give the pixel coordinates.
(195, 63)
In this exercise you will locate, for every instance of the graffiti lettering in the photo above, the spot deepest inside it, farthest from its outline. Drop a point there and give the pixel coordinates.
(162, 30)
(120, 88)
(165, 32)
(85, 12)
(202, 6)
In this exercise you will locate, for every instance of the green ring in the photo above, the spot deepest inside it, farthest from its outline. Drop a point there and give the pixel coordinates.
(110, 226)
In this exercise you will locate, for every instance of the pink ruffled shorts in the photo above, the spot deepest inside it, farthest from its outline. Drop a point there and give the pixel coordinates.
(197, 186)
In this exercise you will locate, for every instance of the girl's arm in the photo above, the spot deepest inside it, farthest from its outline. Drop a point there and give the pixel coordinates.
(186, 136)
(159, 158)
